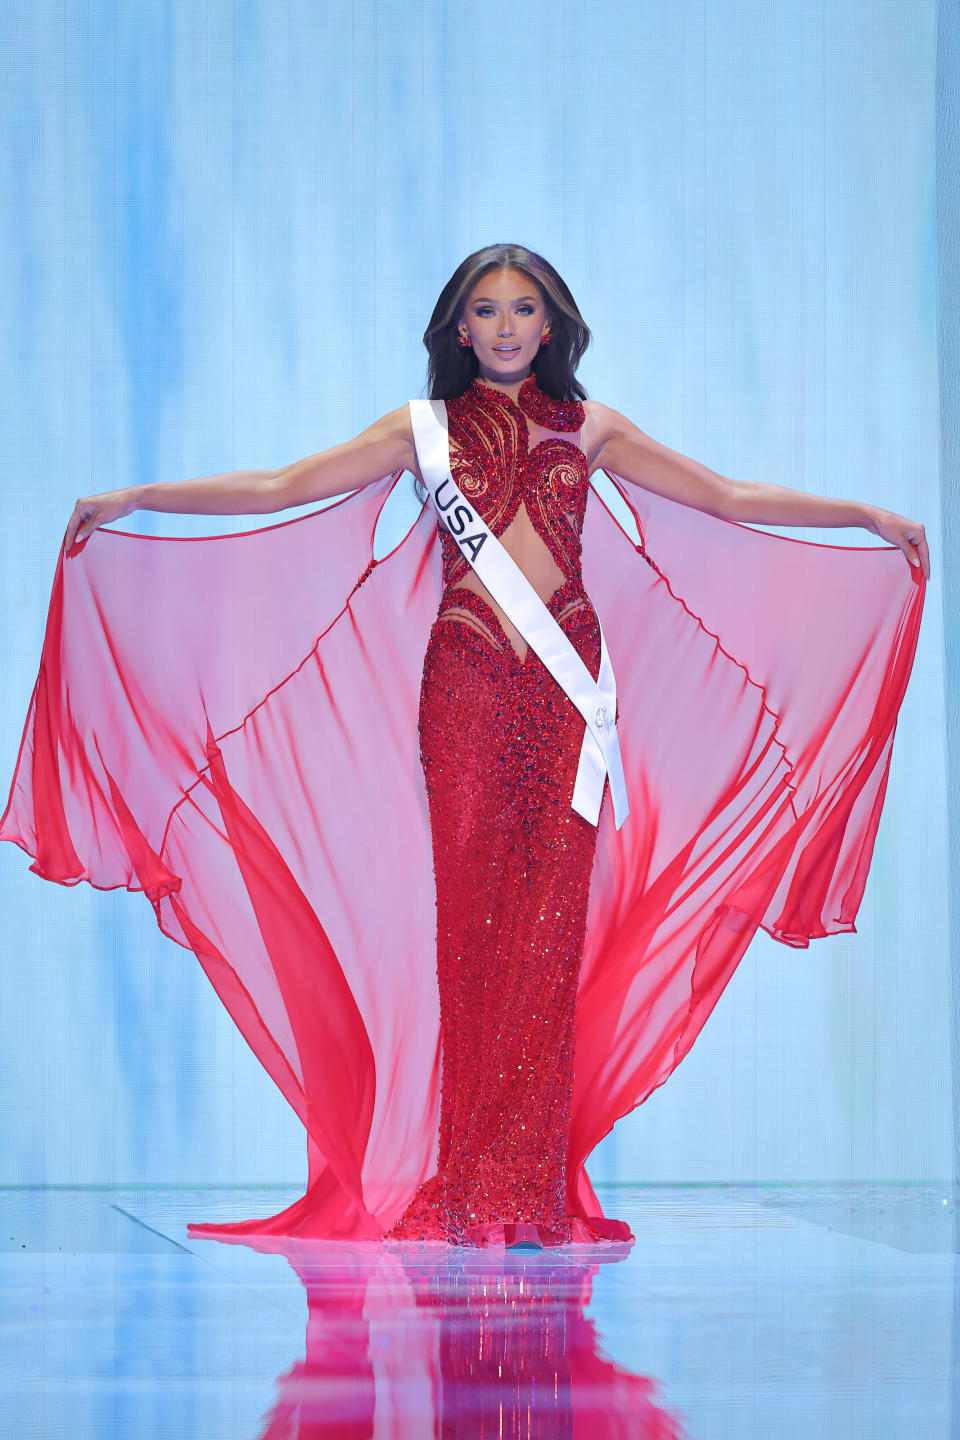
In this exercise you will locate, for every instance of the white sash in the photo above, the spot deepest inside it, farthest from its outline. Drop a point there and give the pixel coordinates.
(596, 700)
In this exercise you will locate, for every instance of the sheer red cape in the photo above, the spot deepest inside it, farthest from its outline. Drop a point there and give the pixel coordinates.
(229, 724)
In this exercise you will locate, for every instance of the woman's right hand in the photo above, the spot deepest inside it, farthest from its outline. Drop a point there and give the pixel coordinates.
(95, 510)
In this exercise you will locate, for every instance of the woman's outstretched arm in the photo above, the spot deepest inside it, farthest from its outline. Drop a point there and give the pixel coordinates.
(616, 444)
(385, 446)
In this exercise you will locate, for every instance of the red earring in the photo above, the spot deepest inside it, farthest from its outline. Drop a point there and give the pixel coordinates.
(465, 341)
(545, 339)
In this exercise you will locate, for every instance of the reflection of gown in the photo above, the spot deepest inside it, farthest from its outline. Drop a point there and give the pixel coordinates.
(230, 725)
(456, 1344)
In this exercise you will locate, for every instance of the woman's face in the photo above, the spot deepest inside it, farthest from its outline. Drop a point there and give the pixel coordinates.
(506, 319)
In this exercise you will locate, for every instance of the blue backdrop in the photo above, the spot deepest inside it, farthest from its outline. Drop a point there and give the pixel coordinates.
(225, 229)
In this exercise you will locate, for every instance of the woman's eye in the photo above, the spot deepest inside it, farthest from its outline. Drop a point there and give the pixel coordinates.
(485, 310)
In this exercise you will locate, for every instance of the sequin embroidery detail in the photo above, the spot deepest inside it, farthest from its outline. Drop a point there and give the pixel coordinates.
(495, 467)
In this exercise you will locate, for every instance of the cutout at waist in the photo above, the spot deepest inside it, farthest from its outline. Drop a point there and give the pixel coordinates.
(476, 610)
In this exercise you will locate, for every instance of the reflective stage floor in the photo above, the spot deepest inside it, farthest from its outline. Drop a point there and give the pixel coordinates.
(741, 1311)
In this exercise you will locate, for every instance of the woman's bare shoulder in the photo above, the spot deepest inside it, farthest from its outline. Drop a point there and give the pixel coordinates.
(603, 420)
(397, 425)
(600, 424)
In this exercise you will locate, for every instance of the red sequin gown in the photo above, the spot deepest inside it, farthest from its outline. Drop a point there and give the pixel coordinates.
(234, 727)
(500, 744)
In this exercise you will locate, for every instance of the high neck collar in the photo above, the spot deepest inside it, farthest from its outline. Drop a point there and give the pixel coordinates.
(543, 409)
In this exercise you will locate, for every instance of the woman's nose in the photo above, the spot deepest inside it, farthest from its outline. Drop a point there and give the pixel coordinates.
(505, 327)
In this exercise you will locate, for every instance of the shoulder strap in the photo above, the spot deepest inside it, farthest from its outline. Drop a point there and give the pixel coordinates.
(596, 700)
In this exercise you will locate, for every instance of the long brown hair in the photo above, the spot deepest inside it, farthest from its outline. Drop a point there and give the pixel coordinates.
(453, 366)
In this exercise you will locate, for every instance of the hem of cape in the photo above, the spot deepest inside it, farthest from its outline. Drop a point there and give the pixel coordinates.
(499, 1235)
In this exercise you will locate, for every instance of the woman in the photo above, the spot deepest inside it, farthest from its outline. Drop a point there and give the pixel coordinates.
(574, 963)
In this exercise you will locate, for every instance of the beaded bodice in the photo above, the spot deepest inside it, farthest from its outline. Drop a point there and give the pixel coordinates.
(497, 470)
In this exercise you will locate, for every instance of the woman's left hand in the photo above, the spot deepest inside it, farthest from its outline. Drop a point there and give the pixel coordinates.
(908, 534)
